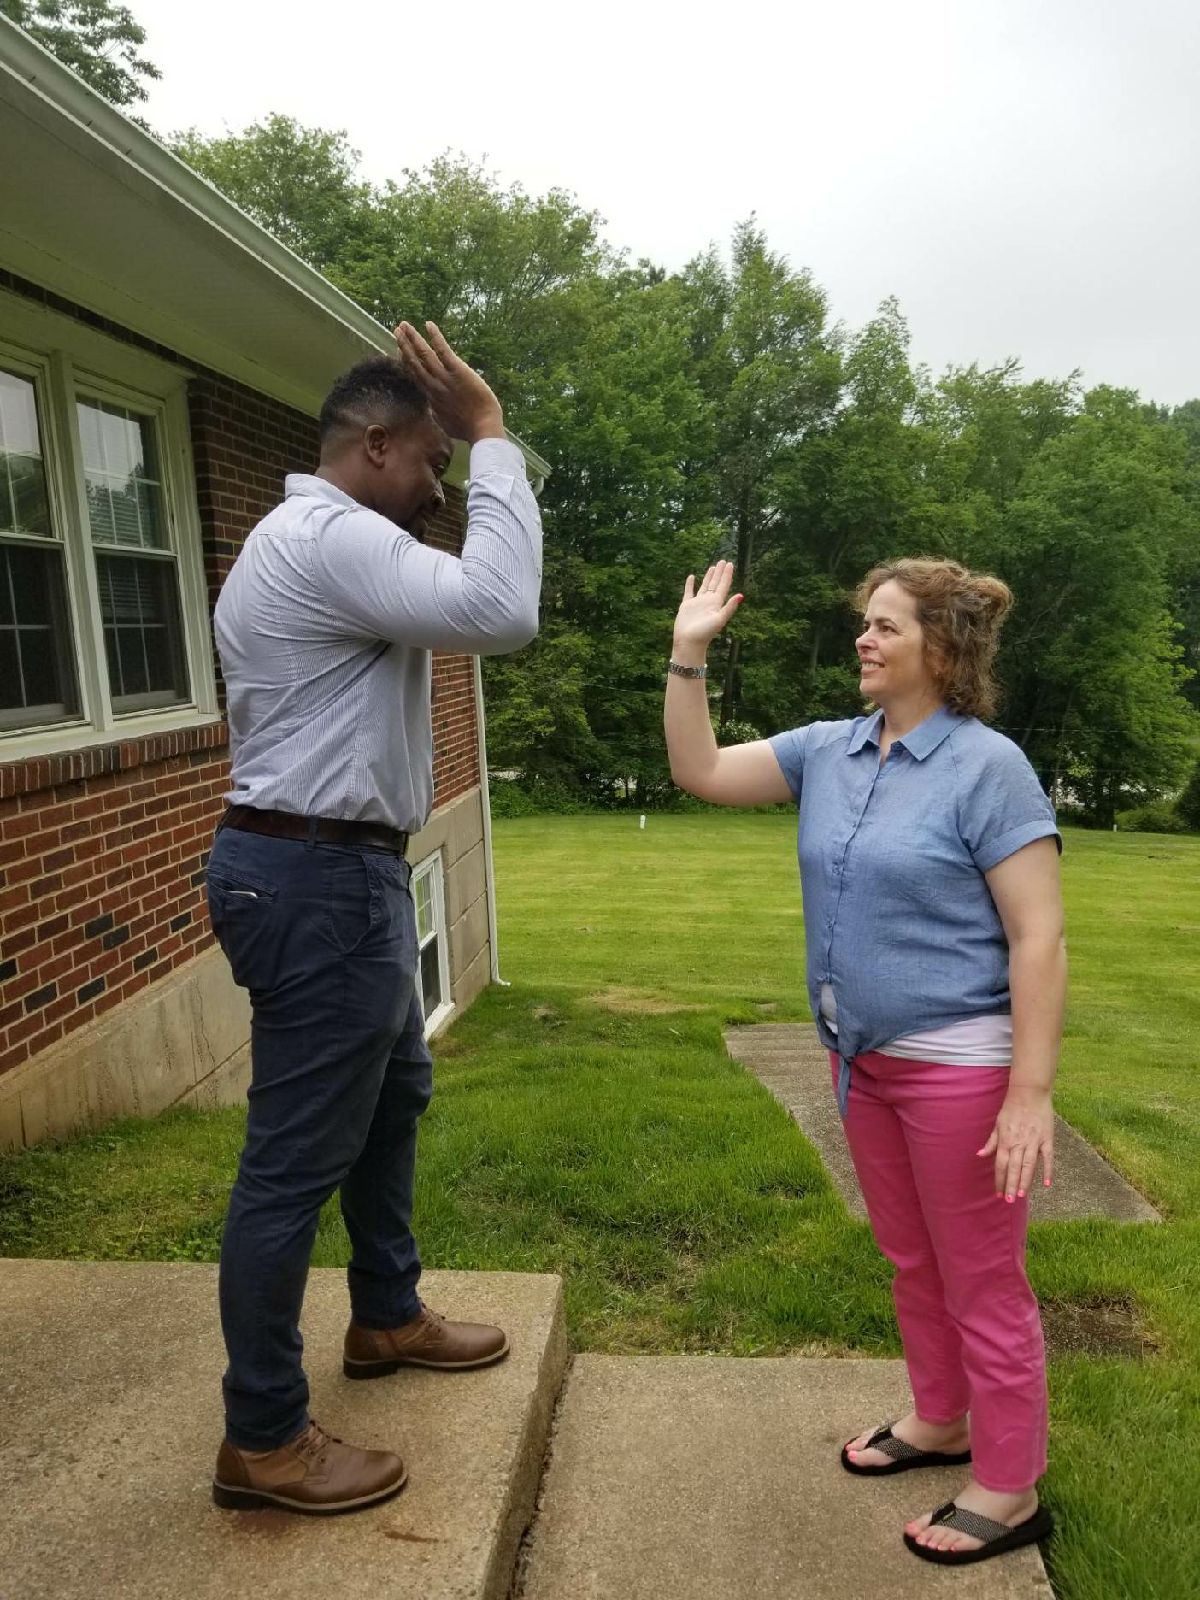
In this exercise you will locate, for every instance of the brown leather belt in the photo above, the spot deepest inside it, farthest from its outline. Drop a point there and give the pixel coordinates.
(323, 830)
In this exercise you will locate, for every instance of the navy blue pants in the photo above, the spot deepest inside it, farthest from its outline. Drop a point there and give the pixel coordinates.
(324, 938)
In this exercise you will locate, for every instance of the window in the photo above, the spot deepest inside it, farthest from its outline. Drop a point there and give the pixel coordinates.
(103, 610)
(434, 970)
(135, 568)
(37, 669)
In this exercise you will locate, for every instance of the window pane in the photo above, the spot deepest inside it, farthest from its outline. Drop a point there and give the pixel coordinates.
(121, 477)
(23, 504)
(431, 978)
(423, 895)
(143, 638)
(37, 668)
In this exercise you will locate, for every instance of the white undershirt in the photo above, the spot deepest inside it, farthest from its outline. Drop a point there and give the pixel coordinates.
(978, 1042)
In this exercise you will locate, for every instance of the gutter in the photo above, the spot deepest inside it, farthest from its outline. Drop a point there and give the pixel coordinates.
(68, 96)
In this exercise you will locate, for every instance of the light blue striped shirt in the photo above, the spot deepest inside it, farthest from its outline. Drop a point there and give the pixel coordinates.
(324, 627)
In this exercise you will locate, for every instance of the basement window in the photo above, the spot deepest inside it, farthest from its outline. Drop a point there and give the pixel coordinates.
(433, 974)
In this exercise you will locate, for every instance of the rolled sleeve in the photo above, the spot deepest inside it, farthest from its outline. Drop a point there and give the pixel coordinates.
(1016, 839)
(789, 751)
(1003, 807)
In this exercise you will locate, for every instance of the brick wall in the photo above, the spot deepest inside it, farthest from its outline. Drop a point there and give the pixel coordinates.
(455, 731)
(102, 872)
(102, 852)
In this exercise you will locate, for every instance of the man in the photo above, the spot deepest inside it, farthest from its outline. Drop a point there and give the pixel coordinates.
(324, 627)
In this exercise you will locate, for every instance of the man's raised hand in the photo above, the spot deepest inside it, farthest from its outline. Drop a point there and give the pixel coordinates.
(461, 401)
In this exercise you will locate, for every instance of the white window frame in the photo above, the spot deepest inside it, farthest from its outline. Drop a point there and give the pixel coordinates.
(66, 361)
(432, 867)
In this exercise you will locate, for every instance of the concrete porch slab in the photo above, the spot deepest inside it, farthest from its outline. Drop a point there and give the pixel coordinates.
(787, 1059)
(717, 1478)
(110, 1421)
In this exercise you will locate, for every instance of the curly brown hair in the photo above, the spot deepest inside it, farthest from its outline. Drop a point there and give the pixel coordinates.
(961, 614)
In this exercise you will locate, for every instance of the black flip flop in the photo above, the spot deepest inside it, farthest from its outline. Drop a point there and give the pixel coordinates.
(997, 1537)
(904, 1456)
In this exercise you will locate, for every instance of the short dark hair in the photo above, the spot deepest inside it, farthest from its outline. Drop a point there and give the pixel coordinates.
(375, 390)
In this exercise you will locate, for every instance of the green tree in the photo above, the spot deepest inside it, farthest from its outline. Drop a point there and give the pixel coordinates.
(769, 371)
(493, 266)
(617, 422)
(299, 183)
(1185, 420)
(95, 38)
(1189, 800)
(1091, 658)
(854, 495)
(715, 413)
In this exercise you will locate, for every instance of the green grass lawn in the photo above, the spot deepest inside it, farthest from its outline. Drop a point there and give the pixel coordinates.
(589, 1122)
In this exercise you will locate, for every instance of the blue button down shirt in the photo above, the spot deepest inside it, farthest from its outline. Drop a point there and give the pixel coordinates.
(898, 917)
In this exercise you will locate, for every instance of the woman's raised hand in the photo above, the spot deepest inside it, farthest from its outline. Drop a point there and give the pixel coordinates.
(706, 610)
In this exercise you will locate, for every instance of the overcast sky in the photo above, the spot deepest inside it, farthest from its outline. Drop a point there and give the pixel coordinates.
(1021, 174)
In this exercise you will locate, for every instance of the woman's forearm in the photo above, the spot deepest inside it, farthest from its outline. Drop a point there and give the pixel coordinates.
(1037, 975)
(691, 743)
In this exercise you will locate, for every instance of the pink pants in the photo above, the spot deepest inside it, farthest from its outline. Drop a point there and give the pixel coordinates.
(968, 1318)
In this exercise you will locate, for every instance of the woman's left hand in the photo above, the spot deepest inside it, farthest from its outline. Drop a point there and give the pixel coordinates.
(1024, 1131)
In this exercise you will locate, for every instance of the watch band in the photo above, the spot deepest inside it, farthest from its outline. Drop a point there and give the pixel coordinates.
(686, 672)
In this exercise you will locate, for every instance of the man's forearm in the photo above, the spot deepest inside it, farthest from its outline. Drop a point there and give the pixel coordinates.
(501, 568)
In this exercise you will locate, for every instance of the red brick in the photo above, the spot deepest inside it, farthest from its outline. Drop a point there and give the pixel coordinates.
(25, 871)
(12, 1056)
(21, 917)
(55, 968)
(24, 826)
(25, 1028)
(44, 1039)
(15, 943)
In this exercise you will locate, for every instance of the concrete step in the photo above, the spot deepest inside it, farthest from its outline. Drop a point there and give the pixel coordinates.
(713, 1478)
(110, 1422)
(787, 1058)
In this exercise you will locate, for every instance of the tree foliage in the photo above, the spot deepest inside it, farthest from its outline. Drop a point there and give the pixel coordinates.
(95, 38)
(716, 412)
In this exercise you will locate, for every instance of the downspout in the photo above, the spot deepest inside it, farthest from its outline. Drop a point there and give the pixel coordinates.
(485, 795)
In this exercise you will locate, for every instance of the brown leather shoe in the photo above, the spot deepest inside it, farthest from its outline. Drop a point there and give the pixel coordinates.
(427, 1341)
(314, 1472)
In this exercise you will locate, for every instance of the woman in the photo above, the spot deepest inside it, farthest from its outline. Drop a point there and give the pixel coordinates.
(937, 974)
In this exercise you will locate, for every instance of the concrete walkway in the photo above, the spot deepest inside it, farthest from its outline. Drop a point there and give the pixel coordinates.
(788, 1059)
(676, 1478)
(713, 1478)
(110, 1421)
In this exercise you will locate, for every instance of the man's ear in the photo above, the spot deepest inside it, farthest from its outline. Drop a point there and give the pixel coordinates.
(375, 443)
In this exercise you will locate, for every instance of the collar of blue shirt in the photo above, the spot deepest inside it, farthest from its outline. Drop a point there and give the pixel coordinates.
(919, 741)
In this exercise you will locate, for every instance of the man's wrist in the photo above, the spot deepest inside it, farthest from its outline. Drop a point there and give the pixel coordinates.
(491, 427)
